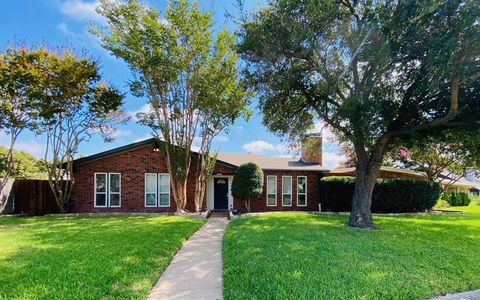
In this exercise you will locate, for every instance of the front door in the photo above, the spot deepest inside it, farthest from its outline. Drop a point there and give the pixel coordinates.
(220, 193)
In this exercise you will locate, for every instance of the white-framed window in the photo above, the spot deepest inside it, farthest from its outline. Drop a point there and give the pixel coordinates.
(271, 190)
(301, 190)
(150, 189)
(100, 190)
(286, 190)
(107, 189)
(164, 190)
(157, 190)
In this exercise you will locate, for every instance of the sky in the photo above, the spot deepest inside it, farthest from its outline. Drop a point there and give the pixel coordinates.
(65, 22)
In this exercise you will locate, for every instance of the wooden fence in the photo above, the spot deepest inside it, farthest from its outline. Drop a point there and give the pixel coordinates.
(33, 197)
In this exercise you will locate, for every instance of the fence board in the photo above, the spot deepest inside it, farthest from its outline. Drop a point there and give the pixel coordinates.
(34, 197)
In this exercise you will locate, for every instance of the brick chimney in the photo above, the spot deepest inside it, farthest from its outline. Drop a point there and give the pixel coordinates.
(311, 150)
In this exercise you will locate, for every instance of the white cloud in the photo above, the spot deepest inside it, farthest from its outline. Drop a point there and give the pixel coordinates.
(121, 133)
(238, 129)
(258, 147)
(81, 10)
(221, 138)
(143, 137)
(325, 130)
(63, 28)
(146, 108)
(35, 148)
(331, 159)
(32, 146)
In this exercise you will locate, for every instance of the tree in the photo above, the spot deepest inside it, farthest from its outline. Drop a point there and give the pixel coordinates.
(189, 76)
(19, 84)
(442, 158)
(373, 71)
(75, 105)
(247, 183)
(25, 166)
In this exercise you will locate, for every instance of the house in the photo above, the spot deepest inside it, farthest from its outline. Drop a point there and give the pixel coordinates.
(461, 185)
(135, 178)
(385, 172)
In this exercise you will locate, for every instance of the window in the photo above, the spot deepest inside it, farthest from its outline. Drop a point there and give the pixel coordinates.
(302, 190)
(108, 190)
(114, 188)
(164, 190)
(286, 190)
(100, 190)
(157, 190)
(150, 189)
(271, 190)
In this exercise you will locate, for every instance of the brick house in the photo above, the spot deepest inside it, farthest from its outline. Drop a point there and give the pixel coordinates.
(134, 178)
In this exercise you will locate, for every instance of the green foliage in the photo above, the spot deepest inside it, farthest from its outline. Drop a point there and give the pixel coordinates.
(365, 67)
(389, 195)
(441, 203)
(475, 200)
(307, 256)
(20, 84)
(457, 199)
(87, 258)
(247, 182)
(25, 165)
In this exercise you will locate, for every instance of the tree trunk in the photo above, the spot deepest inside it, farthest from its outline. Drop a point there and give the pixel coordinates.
(367, 168)
(180, 194)
(247, 204)
(361, 213)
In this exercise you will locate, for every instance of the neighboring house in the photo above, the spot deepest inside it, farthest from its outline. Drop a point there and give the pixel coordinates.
(462, 185)
(134, 178)
(385, 172)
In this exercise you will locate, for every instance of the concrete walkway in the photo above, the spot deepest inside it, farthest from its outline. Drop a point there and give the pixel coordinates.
(473, 295)
(196, 270)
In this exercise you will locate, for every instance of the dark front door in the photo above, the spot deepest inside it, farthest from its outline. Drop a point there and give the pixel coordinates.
(220, 193)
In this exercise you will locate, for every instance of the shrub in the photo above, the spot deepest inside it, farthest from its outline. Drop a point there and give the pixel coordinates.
(247, 183)
(389, 195)
(457, 199)
(475, 200)
(441, 203)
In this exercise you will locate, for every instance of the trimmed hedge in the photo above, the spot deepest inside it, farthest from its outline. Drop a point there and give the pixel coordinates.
(390, 195)
(457, 199)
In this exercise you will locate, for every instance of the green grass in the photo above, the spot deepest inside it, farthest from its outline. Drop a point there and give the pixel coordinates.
(305, 256)
(87, 258)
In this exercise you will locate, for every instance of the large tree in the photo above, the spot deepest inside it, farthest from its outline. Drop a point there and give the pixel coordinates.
(20, 80)
(75, 104)
(187, 72)
(372, 70)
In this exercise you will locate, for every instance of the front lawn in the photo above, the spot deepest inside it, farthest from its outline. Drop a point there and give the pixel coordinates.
(306, 256)
(87, 258)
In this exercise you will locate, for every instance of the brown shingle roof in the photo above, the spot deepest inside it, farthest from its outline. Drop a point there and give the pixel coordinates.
(269, 163)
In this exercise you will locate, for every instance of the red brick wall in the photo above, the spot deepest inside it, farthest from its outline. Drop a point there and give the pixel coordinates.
(260, 204)
(132, 165)
(135, 163)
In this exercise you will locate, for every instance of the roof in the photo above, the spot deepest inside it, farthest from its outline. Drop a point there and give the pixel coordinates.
(351, 171)
(462, 182)
(136, 145)
(228, 159)
(270, 163)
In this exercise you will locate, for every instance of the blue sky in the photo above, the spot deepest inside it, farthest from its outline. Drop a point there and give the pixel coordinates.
(64, 22)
